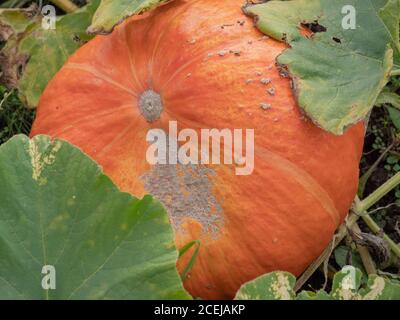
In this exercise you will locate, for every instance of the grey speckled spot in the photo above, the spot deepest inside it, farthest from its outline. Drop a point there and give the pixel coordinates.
(185, 190)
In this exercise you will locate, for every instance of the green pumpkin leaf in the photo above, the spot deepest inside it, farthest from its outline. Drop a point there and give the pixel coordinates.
(341, 253)
(379, 288)
(111, 13)
(394, 115)
(309, 295)
(13, 21)
(42, 52)
(347, 285)
(271, 286)
(58, 209)
(390, 15)
(49, 49)
(389, 98)
(337, 73)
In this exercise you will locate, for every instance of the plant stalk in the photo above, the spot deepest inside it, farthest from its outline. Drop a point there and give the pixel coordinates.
(341, 233)
(377, 230)
(395, 72)
(65, 5)
(366, 258)
(359, 209)
(378, 194)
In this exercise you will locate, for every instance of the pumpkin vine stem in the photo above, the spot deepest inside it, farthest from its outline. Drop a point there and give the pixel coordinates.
(366, 258)
(361, 208)
(395, 72)
(358, 211)
(378, 194)
(65, 5)
(373, 226)
(339, 236)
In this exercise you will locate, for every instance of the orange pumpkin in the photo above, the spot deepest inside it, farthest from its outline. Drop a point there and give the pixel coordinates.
(204, 64)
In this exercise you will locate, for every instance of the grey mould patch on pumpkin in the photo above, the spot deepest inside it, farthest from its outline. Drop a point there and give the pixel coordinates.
(185, 191)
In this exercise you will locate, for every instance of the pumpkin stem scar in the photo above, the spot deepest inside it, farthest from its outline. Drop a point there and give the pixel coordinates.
(150, 105)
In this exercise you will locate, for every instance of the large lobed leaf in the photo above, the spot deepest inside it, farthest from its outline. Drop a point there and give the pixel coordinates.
(41, 52)
(58, 208)
(337, 73)
(110, 13)
(346, 286)
(14, 21)
(272, 286)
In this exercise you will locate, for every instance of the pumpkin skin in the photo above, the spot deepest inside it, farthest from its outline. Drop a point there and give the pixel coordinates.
(280, 217)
